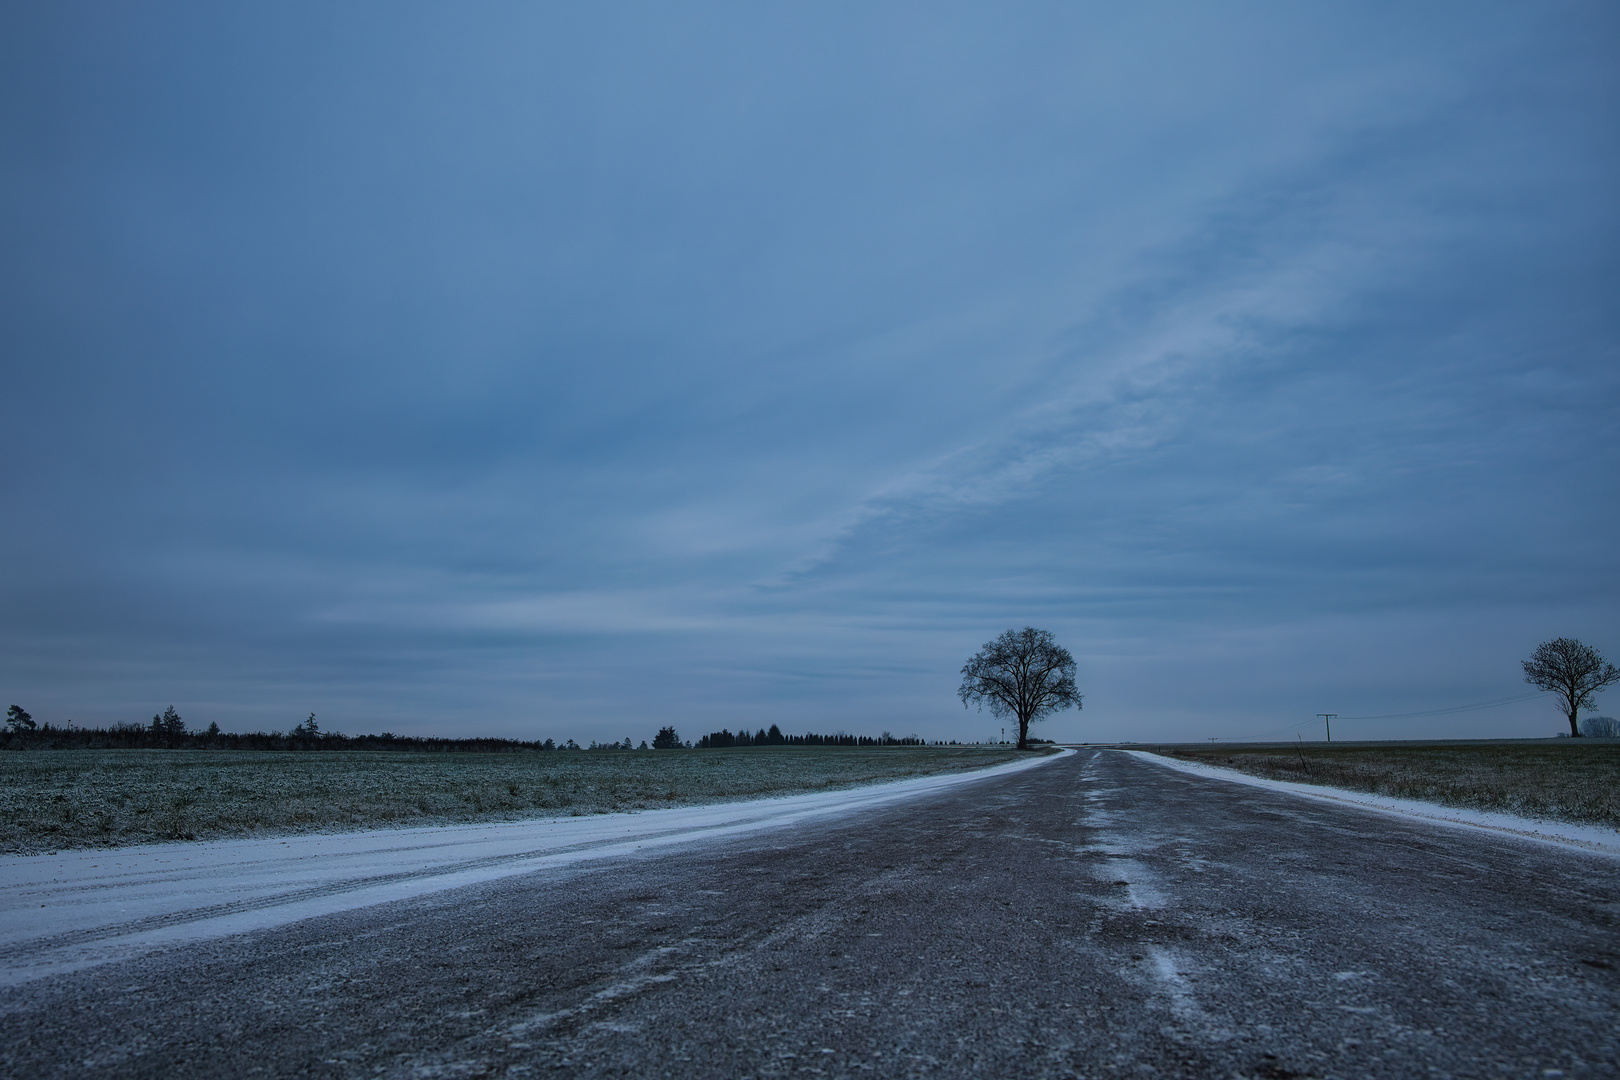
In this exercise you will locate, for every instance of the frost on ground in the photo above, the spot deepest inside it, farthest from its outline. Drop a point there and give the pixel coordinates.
(62, 799)
(73, 909)
(1567, 780)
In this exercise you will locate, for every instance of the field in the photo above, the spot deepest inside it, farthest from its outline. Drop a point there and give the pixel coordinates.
(55, 799)
(1575, 780)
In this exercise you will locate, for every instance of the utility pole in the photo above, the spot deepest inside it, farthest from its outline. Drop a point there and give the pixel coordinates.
(1327, 722)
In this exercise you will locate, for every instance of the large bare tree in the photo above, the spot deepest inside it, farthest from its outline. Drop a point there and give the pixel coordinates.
(1573, 671)
(1024, 674)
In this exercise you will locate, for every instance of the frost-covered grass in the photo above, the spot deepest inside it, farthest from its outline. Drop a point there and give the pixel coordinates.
(1576, 780)
(54, 799)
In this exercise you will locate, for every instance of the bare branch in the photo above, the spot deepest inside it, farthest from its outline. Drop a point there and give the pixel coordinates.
(1023, 674)
(1572, 670)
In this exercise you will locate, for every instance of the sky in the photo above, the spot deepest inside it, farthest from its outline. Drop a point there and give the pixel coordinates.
(572, 370)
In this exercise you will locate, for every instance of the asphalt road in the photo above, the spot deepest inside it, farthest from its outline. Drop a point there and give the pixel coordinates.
(1100, 916)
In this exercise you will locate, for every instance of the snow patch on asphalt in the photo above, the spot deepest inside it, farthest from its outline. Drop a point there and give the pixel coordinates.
(1596, 838)
(77, 909)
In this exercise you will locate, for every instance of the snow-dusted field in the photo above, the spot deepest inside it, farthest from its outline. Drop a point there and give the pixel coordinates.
(1589, 837)
(56, 799)
(71, 910)
(1573, 780)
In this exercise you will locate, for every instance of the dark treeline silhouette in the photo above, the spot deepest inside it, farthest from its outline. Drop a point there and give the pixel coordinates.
(138, 737)
(716, 740)
(168, 732)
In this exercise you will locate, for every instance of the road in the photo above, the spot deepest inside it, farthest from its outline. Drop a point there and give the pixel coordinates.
(1099, 916)
(75, 909)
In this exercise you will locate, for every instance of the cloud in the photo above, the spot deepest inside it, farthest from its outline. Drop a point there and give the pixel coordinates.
(514, 370)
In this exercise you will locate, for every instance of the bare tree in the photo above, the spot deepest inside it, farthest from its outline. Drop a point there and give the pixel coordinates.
(1024, 674)
(1601, 727)
(1573, 671)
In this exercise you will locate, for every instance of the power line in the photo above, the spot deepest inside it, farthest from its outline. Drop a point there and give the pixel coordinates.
(1274, 731)
(1452, 709)
(1386, 716)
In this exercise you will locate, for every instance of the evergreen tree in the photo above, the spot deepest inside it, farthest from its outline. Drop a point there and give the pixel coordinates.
(168, 724)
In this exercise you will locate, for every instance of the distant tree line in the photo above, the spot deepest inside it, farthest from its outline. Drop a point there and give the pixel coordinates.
(773, 736)
(625, 745)
(167, 731)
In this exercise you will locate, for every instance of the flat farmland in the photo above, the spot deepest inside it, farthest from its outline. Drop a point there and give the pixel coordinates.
(1098, 916)
(59, 799)
(1575, 780)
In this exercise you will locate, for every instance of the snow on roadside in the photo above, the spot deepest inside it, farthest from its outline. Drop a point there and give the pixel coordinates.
(77, 909)
(1586, 837)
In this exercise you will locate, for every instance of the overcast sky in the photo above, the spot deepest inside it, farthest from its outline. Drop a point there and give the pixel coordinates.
(572, 370)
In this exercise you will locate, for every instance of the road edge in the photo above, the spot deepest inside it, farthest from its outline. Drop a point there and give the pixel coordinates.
(910, 784)
(52, 881)
(1593, 839)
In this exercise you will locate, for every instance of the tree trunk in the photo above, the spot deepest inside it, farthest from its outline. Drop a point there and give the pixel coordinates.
(1023, 733)
(1574, 728)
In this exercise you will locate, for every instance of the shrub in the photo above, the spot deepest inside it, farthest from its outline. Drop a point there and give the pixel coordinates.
(1601, 727)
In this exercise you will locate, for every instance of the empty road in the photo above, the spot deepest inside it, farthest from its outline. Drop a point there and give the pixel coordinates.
(1098, 916)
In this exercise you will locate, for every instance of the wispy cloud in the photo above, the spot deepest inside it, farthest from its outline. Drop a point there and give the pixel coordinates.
(516, 370)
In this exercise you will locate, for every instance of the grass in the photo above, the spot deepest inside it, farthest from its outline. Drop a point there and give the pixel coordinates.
(1575, 780)
(56, 799)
